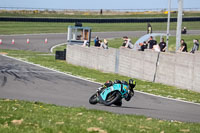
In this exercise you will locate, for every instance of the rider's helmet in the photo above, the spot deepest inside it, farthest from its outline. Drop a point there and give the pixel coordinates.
(132, 84)
(117, 81)
(108, 83)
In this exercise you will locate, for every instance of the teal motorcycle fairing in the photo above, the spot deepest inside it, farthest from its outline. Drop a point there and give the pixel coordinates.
(116, 87)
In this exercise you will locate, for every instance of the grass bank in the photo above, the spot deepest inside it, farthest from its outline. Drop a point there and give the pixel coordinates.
(20, 116)
(98, 76)
(91, 14)
(45, 27)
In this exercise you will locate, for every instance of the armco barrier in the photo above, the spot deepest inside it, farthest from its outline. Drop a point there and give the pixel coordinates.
(180, 69)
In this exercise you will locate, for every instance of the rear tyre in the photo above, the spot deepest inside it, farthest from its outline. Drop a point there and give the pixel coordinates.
(112, 98)
(118, 103)
(93, 99)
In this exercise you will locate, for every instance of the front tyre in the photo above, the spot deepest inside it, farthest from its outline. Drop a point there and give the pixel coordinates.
(112, 98)
(93, 99)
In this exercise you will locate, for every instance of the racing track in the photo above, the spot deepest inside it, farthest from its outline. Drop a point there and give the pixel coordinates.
(37, 40)
(20, 80)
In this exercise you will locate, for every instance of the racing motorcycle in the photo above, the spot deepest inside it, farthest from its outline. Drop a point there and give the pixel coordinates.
(112, 95)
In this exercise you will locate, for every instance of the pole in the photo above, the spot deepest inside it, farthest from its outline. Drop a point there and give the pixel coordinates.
(168, 23)
(179, 24)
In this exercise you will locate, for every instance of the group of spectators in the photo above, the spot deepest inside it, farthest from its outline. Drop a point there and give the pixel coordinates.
(150, 44)
(183, 47)
(159, 47)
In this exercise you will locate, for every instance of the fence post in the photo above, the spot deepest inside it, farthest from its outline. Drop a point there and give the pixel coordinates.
(117, 61)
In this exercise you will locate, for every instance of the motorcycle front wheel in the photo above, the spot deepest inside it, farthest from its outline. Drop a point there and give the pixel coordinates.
(93, 99)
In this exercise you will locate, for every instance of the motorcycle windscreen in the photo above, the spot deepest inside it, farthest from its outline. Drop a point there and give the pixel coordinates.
(105, 93)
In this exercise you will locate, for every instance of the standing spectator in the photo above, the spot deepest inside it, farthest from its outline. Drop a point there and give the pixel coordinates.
(101, 12)
(151, 42)
(184, 30)
(149, 28)
(104, 44)
(162, 45)
(195, 46)
(127, 43)
(183, 47)
(96, 42)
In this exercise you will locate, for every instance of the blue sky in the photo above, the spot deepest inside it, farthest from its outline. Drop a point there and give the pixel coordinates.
(97, 4)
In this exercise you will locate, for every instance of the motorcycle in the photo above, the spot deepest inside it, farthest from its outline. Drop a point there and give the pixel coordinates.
(112, 95)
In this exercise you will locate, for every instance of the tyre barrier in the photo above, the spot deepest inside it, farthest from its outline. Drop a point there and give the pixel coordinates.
(60, 55)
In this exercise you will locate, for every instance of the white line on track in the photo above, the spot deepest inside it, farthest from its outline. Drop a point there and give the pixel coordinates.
(34, 34)
(40, 72)
(94, 81)
(51, 50)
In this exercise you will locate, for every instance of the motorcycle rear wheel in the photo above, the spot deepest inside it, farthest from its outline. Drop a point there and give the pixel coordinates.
(113, 98)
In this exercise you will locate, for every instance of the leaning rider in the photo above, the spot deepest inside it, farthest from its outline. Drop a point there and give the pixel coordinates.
(131, 85)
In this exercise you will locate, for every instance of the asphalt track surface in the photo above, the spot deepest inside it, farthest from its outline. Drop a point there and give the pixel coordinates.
(37, 41)
(23, 81)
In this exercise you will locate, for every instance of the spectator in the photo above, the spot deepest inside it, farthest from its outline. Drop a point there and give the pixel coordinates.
(104, 44)
(195, 46)
(96, 42)
(124, 43)
(143, 46)
(156, 48)
(151, 42)
(101, 12)
(162, 45)
(149, 28)
(85, 43)
(184, 30)
(127, 43)
(183, 47)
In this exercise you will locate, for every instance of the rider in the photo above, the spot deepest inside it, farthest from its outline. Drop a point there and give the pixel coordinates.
(131, 85)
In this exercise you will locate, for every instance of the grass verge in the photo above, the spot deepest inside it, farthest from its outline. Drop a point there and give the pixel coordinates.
(45, 27)
(91, 14)
(98, 76)
(20, 116)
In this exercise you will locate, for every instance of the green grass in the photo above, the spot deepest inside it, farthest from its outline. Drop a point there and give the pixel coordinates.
(153, 88)
(45, 27)
(59, 48)
(34, 117)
